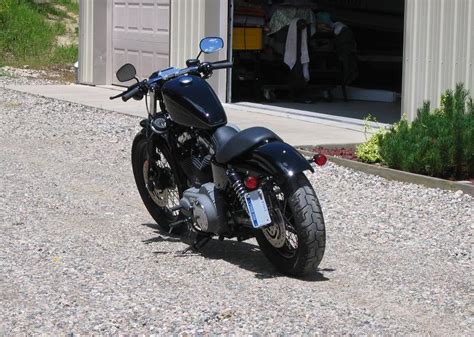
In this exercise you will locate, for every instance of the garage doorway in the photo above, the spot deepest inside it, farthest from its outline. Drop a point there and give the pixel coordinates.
(140, 35)
(355, 50)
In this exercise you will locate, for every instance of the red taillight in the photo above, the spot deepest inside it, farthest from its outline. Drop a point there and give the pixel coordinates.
(251, 182)
(320, 159)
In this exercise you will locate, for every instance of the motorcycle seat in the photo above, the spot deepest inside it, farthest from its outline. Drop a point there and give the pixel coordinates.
(230, 143)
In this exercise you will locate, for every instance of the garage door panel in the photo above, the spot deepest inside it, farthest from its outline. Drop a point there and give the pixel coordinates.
(162, 19)
(146, 61)
(140, 35)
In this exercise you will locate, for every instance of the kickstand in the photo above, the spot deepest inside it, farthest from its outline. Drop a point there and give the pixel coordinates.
(199, 242)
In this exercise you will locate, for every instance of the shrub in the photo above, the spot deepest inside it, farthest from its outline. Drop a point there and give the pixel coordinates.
(438, 143)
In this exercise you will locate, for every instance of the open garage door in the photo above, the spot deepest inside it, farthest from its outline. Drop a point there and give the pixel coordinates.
(140, 35)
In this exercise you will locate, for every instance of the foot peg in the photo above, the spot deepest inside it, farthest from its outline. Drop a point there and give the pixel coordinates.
(178, 223)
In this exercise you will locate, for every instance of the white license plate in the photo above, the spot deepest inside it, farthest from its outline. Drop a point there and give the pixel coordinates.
(258, 210)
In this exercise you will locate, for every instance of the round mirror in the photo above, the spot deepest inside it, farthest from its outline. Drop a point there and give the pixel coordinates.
(126, 72)
(210, 45)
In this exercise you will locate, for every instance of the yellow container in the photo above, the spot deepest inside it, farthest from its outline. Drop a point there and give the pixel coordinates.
(247, 38)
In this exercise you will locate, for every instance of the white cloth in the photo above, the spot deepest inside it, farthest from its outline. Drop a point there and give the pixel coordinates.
(290, 48)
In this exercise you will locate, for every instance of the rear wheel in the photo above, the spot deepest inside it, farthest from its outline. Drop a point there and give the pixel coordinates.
(296, 239)
(157, 183)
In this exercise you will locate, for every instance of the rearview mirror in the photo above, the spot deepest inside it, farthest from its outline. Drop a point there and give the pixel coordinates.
(126, 72)
(210, 45)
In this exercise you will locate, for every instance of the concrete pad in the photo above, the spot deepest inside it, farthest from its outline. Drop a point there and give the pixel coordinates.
(311, 131)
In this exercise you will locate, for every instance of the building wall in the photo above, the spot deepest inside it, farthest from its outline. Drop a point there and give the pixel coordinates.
(438, 52)
(94, 22)
(190, 22)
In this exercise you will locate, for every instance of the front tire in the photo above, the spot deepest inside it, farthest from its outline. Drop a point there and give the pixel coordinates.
(296, 240)
(167, 189)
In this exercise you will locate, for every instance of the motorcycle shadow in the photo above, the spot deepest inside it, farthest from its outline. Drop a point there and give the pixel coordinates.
(242, 254)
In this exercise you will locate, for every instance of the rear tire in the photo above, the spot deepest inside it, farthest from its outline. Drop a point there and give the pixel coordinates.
(296, 241)
(159, 201)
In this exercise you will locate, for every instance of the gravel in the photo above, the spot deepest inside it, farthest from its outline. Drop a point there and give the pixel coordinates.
(80, 254)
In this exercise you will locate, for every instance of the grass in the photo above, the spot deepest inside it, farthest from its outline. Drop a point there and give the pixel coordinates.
(28, 33)
(72, 6)
(64, 55)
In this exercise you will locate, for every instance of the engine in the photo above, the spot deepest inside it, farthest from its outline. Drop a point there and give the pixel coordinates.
(207, 208)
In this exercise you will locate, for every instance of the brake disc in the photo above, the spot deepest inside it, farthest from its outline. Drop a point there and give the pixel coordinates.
(276, 233)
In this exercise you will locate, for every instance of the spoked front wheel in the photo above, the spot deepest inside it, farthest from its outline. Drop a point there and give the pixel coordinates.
(157, 183)
(296, 239)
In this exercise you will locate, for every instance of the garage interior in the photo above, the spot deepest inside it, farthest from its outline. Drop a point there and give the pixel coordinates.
(337, 57)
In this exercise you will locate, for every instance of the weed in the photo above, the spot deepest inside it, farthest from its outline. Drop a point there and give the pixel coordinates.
(369, 151)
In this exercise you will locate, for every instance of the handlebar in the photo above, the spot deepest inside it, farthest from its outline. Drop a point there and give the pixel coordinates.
(221, 65)
(131, 92)
(145, 85)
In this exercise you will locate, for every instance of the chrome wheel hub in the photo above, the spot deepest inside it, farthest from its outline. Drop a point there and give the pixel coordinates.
(166, 198)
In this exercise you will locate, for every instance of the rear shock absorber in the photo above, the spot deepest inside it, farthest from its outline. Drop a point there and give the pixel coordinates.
(238, 186)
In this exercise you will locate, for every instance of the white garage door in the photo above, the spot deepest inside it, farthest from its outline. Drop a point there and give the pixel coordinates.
(141, 35)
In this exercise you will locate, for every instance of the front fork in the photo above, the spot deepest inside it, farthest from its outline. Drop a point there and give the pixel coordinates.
(151, 155)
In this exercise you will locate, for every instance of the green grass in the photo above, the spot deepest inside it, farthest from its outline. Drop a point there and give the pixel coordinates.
(64, 55)
(28, 33)
(71, 5)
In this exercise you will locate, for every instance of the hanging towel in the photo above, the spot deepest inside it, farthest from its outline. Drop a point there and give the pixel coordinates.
(290, 48)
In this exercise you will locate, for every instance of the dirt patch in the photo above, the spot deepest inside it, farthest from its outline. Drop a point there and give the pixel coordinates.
(70, 22)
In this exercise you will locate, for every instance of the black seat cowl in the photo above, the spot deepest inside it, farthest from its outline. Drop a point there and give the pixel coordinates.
(231, 144)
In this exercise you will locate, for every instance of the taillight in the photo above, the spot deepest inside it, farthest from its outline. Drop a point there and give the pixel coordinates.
(320, 159)
(251, 182)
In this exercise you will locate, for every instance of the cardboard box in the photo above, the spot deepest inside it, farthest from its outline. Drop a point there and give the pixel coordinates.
(247, 38)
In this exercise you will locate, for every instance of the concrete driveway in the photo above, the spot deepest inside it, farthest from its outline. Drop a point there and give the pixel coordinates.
(296, 129)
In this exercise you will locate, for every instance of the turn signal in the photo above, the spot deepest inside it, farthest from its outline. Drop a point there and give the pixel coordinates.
(251, 182)
(320, 159)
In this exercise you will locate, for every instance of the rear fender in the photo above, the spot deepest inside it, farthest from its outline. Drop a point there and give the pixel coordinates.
(279, 159)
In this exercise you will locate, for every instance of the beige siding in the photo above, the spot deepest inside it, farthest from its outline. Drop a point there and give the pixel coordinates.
(187, 29)
(438, 53)
(190, 22)
(86, 41)
(94, 20)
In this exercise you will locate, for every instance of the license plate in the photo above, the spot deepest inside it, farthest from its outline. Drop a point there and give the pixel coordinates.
(258, 210)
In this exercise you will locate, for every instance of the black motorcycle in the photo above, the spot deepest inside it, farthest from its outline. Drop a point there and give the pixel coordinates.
(194, 171)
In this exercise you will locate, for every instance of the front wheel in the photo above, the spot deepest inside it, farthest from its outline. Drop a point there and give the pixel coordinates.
(296, 239)
(157, 182)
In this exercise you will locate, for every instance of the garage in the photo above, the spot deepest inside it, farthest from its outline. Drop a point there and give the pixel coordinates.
(335, 57)
(140, 35)
(407, 51)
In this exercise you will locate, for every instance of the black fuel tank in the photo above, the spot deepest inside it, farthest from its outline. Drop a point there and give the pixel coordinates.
(190, 101)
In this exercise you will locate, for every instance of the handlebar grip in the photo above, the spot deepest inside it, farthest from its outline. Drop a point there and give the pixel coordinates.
(221, 65)
(131, 93)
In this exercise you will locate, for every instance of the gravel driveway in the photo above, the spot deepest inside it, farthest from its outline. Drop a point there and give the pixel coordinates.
(80, 254)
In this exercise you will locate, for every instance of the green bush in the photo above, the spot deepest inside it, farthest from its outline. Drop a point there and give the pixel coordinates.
(438, 143)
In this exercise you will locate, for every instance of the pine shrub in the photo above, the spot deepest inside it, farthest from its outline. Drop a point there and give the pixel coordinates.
(438, 143)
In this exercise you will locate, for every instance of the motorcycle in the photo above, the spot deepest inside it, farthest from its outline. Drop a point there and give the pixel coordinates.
(194, 171)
